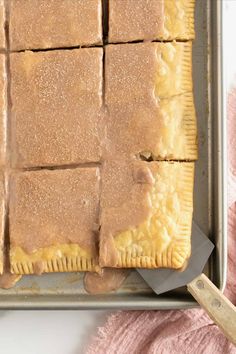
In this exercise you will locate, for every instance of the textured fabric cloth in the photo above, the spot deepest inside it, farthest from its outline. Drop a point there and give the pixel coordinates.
(183, 331)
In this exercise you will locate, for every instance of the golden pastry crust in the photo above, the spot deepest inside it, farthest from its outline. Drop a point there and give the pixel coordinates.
(53, 220)
(179, 20)
(3, 108)
(131, 20)
(58, 258)
(178, 133)
(56, 100)
(2, 25)
(38, 24)
(154, 235)
(173, 69)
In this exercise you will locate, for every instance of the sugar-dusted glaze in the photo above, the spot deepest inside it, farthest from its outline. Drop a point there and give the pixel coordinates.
(106, 281)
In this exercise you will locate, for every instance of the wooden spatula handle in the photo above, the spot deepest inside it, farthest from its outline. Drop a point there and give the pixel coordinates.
(218, 307)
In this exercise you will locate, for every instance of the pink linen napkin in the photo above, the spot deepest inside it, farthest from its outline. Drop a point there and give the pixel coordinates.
(183, 331)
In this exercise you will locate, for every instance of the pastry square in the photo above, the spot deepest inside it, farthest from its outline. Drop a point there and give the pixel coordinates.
(148, 92)
(3, 108)
(146, 214)
(56, 99)
(2, 219)
(54, 220)
(38, 24)
(165, 129)
(145, 72)
(131, 20)
(2, 25)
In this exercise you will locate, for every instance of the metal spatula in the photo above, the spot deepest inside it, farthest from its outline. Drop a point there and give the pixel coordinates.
(218, 307)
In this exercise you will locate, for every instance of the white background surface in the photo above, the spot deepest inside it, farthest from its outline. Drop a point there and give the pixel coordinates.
(47, 332)
(67, 332)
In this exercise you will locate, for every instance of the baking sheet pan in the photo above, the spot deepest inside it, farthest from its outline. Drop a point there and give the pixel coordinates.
(65, 291)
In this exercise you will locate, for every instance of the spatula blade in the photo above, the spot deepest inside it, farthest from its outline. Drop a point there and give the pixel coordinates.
(162, 280)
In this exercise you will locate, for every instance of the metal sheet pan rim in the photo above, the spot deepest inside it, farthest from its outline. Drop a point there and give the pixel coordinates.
(219, 168)
(220, 148)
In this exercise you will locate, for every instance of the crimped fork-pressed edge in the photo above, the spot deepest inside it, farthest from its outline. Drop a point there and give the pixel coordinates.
(62, 264)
